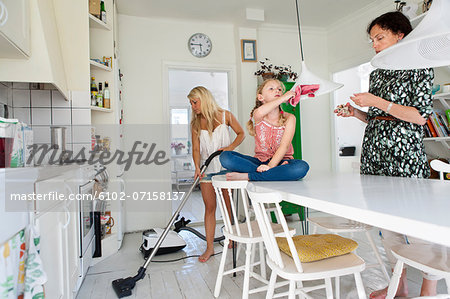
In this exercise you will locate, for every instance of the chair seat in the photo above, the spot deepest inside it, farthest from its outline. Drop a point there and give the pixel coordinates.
(339, 224)
(335, 266)
(425, 257)
(245, 236)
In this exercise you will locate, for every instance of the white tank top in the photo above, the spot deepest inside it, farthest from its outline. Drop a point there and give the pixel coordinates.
(209, 144)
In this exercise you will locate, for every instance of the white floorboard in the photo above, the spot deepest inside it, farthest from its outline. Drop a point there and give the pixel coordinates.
(189, 278)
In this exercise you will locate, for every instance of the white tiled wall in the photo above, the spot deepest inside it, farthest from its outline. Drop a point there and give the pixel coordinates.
(43, 108)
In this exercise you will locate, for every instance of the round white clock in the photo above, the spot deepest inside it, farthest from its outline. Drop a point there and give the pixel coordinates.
(200, 45)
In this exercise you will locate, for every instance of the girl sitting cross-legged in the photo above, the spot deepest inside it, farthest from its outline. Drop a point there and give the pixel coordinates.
(273, 131)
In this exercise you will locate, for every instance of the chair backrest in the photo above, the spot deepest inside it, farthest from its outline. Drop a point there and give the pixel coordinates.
(440, 167)
(220, 185)
(259, 199)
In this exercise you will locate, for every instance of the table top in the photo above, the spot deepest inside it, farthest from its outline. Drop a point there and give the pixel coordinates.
(415, 207)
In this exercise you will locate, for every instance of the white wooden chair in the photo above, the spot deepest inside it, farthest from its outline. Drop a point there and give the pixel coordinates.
(247, 233)
(290, 268)
(430, 258)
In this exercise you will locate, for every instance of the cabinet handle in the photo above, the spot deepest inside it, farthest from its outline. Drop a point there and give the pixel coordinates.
(3, 14)
(68, 218)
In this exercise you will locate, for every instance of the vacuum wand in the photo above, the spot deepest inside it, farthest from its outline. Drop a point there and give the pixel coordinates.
(124, 286)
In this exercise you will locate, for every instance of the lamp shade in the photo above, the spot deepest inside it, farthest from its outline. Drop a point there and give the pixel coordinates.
(428, 45)
(308, 78)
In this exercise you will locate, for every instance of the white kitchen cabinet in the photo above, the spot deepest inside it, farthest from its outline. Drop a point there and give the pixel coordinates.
(14, 29)
(59, 240)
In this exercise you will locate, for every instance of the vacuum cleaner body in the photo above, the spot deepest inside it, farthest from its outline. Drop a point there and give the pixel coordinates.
(172, 242)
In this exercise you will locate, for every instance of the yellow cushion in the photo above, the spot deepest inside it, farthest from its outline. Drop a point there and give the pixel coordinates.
(312, 248)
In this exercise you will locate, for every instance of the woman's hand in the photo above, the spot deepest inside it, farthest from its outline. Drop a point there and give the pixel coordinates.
(197, 174)
(225, 149)
(365, 99)
(263, 167)
(346, 110)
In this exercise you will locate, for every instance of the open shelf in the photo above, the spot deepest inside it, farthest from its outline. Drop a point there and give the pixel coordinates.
(442, 95)
(100, 66)
(445, 141)
(96, 23)
(101, 109)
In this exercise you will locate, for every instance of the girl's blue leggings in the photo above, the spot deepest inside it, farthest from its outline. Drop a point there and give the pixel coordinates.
(293, 171)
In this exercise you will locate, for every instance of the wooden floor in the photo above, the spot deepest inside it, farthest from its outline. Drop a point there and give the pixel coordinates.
(189, 278)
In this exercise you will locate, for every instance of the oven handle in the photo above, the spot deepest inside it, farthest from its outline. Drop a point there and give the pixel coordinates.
(87, 183)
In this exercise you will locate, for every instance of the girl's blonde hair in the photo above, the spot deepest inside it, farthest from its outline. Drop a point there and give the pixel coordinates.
(258, 103)
(208, 108)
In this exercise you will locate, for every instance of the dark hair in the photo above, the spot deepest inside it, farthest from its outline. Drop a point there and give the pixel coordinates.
(394, 21)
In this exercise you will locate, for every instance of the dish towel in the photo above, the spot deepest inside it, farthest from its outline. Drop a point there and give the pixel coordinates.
(35, 276)
(302, 90)
(12, 264)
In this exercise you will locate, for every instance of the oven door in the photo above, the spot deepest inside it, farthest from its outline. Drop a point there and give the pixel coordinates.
(86, 218)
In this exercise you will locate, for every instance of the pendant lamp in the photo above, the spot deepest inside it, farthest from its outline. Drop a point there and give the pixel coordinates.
(428, 45)
(308, 78)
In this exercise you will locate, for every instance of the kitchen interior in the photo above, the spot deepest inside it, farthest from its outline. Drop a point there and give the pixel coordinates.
(55, 54)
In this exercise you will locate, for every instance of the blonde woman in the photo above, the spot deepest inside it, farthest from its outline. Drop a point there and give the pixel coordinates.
(210, 132)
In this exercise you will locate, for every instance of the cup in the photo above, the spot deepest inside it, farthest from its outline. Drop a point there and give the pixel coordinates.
(7, 132)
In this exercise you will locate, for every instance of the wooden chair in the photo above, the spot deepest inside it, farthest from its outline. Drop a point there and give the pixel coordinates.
(430, 258)
(247, 233)
(290, 268)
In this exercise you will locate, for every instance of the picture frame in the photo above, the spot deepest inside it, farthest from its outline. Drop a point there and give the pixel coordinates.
(248, 50)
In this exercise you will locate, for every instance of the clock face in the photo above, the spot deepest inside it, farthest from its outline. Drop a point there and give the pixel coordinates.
(200, 45)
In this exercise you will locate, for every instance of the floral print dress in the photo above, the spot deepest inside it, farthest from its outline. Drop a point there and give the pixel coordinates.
(395, 147)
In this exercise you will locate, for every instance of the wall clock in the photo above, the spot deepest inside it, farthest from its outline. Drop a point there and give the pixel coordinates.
(199, 45)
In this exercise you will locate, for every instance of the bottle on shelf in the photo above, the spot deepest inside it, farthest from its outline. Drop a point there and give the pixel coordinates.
(94, 92)
(106, 97)
(102, 11)
(100, 95)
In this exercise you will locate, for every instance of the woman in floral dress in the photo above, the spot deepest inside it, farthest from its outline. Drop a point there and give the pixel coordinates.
(399, 104)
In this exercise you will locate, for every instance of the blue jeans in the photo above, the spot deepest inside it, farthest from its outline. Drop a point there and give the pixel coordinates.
(293, 171)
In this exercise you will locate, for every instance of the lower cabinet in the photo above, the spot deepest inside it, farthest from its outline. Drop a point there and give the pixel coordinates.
(59, 250)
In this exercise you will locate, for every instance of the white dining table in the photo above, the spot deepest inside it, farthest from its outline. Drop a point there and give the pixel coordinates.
(414, 207)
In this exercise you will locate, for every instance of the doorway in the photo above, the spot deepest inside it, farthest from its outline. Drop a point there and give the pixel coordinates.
(181, 81)
(349, 132)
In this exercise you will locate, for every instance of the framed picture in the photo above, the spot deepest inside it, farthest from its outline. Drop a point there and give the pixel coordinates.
(248, 50)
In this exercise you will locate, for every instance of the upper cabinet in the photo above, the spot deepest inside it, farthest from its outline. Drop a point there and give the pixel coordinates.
(14, 29)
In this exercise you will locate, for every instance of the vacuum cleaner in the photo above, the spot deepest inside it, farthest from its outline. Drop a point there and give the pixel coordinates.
(124, 286)
(172, 242)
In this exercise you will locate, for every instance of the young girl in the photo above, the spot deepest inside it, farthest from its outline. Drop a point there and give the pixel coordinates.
(273, 131)
(209, 128)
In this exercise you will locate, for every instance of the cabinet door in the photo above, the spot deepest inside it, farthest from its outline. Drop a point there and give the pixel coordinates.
(51, 253)
(70, 249)
(14, 28)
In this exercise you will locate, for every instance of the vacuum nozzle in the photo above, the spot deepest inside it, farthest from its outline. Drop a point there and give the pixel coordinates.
(124, 286)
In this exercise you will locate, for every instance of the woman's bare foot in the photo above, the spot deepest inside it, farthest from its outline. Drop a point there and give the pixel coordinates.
(237, 176)
(232, 244)
(206, 255)
(402, 291)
